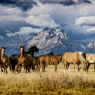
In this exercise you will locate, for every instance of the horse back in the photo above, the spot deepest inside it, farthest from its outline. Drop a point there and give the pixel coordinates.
(71, 57)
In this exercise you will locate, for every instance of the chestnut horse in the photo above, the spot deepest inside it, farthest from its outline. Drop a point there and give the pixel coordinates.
(90, 58)
(49, 60)
(14, 57)
(74, 58)
(5, 60)
(24, 59)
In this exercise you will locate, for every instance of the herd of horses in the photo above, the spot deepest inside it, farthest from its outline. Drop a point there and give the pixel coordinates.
(27, 60)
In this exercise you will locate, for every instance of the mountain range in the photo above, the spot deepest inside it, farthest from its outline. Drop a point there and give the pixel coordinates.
(49, 40)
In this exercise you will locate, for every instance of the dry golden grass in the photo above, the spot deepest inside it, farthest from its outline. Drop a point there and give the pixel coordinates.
(49, 82)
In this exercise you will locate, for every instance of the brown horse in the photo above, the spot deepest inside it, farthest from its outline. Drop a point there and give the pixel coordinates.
(5, 60)
(90, 58)
(24, 59)
(49, 60)
(74, 58)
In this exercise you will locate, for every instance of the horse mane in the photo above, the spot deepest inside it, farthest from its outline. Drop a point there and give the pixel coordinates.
(31, 51)
(81, 57)
(51, 53)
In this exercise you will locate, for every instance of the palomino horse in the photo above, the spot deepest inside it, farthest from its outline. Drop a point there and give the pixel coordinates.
(90, 58)
(49, 60)
(74, 58)
(24, 59)
(5, 60)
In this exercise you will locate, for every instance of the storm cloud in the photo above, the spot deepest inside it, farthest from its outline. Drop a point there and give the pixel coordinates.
(23, 4)
(75, 17)
(66, 2)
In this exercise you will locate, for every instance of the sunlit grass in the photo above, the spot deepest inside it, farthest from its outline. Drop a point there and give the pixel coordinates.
(48, 83)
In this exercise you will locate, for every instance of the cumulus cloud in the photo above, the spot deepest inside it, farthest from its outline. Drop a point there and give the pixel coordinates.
(42, 21)
(25, 31)
(85, 21)
(23, 4)
(11, 18)
(91, 30)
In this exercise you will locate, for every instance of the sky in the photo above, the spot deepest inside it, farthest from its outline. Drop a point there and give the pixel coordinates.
(75, 17)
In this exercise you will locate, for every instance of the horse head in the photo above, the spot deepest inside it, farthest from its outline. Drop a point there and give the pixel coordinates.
(22, 52)
(3, 50)
(51, 53)
(35, 49)
(32, 50)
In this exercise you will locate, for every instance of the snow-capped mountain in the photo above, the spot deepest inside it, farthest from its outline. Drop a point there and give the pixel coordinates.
(49, 40)
(91, 45)
(56, 41)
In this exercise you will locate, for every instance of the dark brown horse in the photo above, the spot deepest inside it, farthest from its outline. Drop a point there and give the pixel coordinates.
(49, 60)
(24, 59)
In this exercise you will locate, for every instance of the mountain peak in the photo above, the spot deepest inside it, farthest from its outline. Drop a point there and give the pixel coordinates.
(91, 45)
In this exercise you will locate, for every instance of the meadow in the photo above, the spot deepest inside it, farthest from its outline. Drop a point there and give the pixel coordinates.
(48, 82)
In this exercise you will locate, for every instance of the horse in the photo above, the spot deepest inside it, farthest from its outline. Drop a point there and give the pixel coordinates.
(75, 58)
(90, 58)
(14, 57)
(24, 59)
(5, 60)
(36, 61)
(49, 60)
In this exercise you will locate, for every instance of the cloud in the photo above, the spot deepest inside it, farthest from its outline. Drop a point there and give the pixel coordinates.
(11, 18)
(66, 2)
(25, 31)
(85, 21)
(42, 21)
(91, 30)
(23, 4)
(10, 14)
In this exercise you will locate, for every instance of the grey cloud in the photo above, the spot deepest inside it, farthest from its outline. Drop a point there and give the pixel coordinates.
(65, 2)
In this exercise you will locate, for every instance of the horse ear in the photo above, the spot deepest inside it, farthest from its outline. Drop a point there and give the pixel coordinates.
(19, 47)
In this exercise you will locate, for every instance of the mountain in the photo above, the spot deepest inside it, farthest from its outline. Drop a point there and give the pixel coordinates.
(12, 43)
(91, 47)
(50, 40)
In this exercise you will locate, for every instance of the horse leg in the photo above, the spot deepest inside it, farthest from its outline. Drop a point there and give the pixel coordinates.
(65, 66)
(10, 67)
(94, 67)
(43, 67)
(88, 66)
(74, 67)
(16, 67)
(20, 68)
(6, 69)
(69, 67)
(78, 67)
(1, 68)
(40, 66)
(55, 66)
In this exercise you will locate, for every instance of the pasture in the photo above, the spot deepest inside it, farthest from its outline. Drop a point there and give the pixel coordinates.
(48, 82)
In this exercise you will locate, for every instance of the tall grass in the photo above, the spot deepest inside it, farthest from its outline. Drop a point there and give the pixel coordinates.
(44, 85)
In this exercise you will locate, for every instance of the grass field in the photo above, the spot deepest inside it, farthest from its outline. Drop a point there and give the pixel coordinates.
(48, 82)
